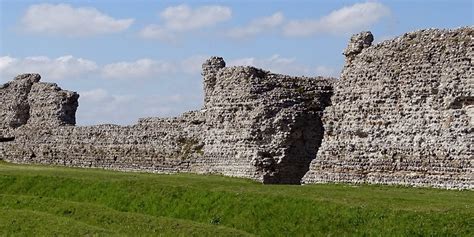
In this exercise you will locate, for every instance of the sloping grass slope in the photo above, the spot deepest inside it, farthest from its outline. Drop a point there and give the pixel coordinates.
(55, 200)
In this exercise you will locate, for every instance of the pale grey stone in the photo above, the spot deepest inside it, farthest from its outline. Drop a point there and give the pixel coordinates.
(402, 113)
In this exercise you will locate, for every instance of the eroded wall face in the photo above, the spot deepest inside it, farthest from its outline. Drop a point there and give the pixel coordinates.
(263, 126)
(153, 145)
(37, 127)
(402, 113)
(25, 100)
(50, 106)
(14, 106)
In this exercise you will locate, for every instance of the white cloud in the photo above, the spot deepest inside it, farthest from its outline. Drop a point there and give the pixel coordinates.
(257, 26)
(69, 67)
(157, 32)
(140, 69)
(193, 64)
(6, 62)
(95, 95)
(282, 65)
(275, 63)
(342, 21)
(326, 71)
(183, 17)
(103, 96)
(63, 19)
(148, 68)
(99, 106)
(53, 69)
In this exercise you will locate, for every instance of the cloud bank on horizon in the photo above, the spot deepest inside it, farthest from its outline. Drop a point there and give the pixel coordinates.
(133, 60)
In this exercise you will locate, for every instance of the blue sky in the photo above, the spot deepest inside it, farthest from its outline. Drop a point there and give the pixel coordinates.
(131, 59)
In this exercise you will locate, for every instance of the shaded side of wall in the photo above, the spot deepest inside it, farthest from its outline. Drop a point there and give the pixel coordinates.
(262, 125)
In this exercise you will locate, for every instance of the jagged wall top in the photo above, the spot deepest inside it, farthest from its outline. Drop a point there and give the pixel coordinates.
(358, 42)
(25, 100)
(209, 71)
(15, 107)
(255, 124)
(402, 113)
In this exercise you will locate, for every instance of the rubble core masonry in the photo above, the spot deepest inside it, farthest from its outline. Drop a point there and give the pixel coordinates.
(401, 113)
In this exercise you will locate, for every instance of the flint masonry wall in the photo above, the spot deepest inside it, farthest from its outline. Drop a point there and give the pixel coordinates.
(153, 145)
(51, 106)
(37, 127)
(15, 109)
(25, 100)
(261, 125)
(402, 112)
(254, 124)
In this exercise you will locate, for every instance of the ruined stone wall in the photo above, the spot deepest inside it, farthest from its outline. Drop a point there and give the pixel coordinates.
(402, 112)
(154, 145)
(262, 125)
(36, 128)
(254, 124)
(26, 100)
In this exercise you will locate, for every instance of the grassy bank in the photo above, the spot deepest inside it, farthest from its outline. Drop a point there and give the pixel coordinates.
(53, 200)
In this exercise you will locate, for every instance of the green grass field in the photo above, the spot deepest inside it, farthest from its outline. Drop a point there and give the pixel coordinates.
(41, 200)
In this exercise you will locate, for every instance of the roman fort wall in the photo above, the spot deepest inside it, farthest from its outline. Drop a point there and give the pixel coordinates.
(254, 124)
(401, 113)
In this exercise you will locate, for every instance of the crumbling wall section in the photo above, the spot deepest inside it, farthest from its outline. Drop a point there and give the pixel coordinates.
(14, 107)
(25, 100)
(262, 125)
(153, 145)
(254, 124)
(37, 127)
(50, 106)
(402, 112)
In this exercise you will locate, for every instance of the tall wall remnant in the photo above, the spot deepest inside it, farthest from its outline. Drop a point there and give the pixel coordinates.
(25, 100)
(402, 112)
(52, 106)
(262, 125)
(15, 109)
